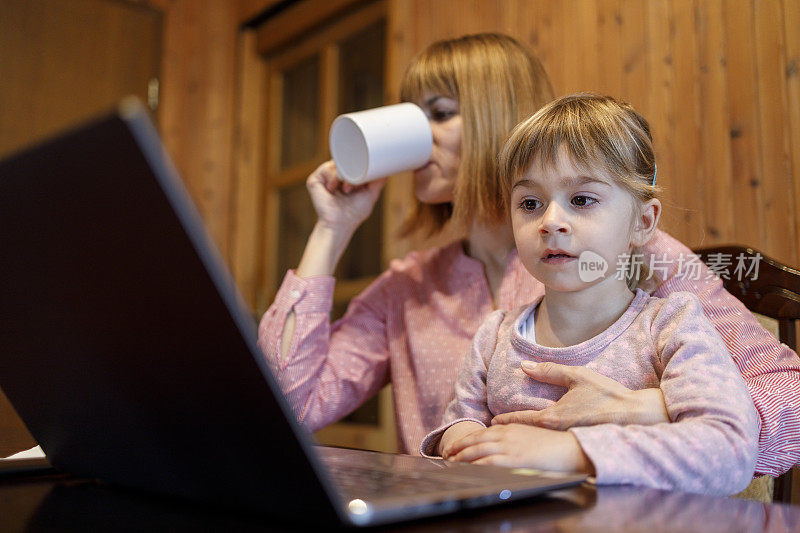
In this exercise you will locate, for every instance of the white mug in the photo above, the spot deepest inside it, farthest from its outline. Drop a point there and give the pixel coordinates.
(379, 142)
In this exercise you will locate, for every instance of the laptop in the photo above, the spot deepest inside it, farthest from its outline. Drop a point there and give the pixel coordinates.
(129, 354)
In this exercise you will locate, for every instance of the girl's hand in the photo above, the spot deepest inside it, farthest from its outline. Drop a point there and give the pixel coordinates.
(341, 206)
(515, 445)
(591, 399)
(454, 433)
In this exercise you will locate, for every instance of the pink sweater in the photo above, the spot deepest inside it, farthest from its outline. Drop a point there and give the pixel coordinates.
(658, 342)
(414, 324)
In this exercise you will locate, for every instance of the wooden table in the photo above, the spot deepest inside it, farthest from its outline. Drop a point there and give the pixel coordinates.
(58, 502)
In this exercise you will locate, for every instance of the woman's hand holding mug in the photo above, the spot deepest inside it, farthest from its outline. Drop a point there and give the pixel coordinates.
(340, 206)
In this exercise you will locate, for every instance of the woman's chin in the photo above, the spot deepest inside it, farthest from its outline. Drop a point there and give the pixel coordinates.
(430, 186)
(429, 196)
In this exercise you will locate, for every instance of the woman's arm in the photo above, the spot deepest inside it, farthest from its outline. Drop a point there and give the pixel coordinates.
(330, 369)
(711, 444)
(770, 369)
(340, 209)
(326, 373)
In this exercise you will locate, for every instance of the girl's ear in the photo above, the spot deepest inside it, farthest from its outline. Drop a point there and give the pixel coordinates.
(646, 222)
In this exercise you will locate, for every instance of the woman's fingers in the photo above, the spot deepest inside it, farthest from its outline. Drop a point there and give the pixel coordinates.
(529, 417)
(591, 399)
(553, 373)
(326, 175)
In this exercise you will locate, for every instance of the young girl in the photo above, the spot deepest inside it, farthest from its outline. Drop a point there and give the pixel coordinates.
(580, 176)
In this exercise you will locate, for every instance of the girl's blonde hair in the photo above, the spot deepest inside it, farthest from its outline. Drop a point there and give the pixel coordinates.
(497, 83)
(594, 131)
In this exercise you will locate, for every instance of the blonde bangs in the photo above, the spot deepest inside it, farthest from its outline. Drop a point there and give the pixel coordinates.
(594, 131)
(431, 72)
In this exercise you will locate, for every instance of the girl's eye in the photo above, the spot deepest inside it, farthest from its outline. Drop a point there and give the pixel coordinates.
(583, 201)
(530, 204)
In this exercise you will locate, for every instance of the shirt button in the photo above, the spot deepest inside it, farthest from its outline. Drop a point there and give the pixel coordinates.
(295, 294)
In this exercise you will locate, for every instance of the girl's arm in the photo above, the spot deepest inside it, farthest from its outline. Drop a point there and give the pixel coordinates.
(469, 404)
(711, 444)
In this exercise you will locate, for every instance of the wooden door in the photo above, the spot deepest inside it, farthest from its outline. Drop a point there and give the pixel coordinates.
(60, 62)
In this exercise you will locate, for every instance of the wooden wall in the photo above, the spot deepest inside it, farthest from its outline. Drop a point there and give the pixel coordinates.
(199, 82)
(719, 80)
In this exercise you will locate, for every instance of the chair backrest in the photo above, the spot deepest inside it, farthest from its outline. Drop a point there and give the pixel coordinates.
(768, 288)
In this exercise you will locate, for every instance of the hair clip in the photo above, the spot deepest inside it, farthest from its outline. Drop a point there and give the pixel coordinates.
(655, 174)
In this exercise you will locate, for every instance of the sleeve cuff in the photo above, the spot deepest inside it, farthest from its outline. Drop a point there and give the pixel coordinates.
(592, 443)
(306, 295)
(431, 440)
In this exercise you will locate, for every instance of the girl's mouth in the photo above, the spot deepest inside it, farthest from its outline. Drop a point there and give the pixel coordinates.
(558, 258)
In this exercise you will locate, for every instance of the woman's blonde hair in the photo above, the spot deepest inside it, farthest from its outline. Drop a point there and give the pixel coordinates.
(497, 83)
(594, 131)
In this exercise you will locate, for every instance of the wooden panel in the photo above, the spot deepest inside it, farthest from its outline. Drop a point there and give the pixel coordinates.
(542, 34)
(14, 436)
(251, 8)
(779, 218)
(609, 47)
(249, 186)
(659, 108)
(197, 111)
(715, 140)
(747, 189)
(64, 61)
(792, 26)
(690, 212)
(450, 18)
(634, 53)
(297, 21)
(581, 59)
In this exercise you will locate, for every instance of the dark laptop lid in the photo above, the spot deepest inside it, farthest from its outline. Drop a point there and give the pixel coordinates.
(109, 315)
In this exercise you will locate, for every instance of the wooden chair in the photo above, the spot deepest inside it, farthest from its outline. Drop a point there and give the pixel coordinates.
(775, 293)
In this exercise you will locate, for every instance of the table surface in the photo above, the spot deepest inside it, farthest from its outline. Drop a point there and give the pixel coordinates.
(55, 502)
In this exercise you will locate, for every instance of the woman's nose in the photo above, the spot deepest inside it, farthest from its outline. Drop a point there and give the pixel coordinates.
(555, 221)
(434, 130)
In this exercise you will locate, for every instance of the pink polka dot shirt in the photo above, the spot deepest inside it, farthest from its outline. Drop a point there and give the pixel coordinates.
(711, 445)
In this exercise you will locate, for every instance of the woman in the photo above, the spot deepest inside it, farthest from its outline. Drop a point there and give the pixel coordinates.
(414, 324)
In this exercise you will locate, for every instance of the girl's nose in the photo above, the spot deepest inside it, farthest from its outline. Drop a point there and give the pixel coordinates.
(554, 221)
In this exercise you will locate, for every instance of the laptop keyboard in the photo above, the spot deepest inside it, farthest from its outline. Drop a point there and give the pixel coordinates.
(359, 481)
